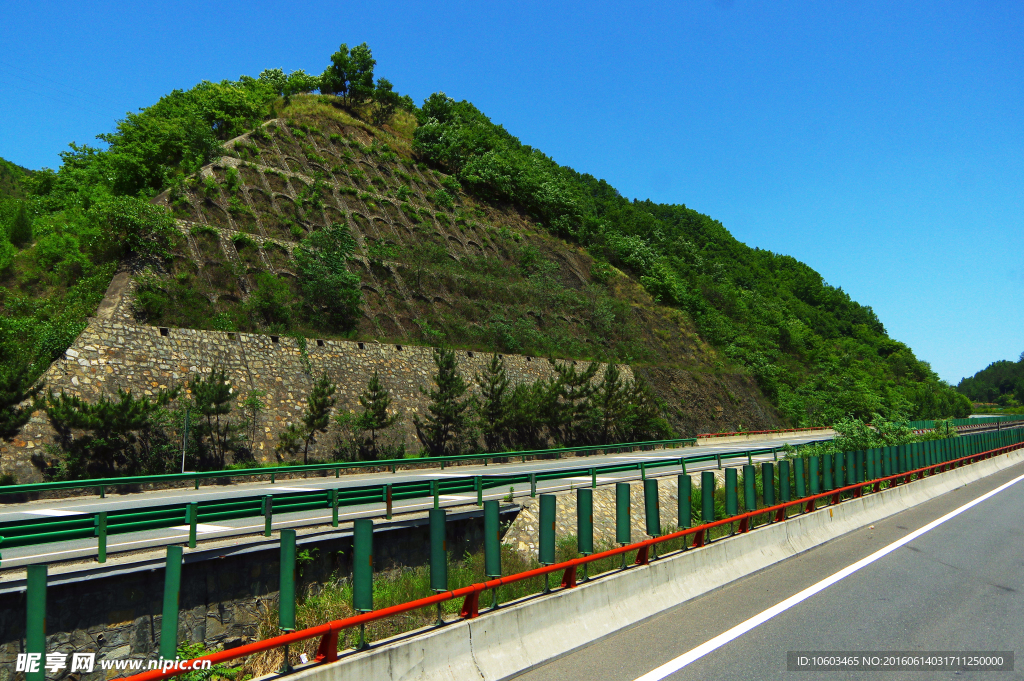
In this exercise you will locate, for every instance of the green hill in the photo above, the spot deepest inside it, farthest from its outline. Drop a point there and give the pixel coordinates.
(360, 215)
(1001, 382)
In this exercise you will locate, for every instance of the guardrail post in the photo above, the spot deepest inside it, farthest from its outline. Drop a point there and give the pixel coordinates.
(585, 524)
(593, 478)
(478, 483)
(388, 497)
(172, 598)
(707, 498)
(682, 465)
(334, 507)
(643, 470)
(362, 571)
(193, 520)
(435, 492)
(439, 555)
(101, 537)
(718, 458)
(652, 510)
(798, 475)
(197, 483)
(103, 491)
(768, 482)
(268, 514)
(775, 454)
(35, 621)
(732, 505)
(286, 600)
(685, 486)
(533, 485)
(783, 481)
(546, 545)
(827, 477)
(750, 458)
(623, 531)
(492, 544)
(812, 473)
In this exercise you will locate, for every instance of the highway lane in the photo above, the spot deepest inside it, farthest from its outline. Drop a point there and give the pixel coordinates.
(957, 587)
(133, 541)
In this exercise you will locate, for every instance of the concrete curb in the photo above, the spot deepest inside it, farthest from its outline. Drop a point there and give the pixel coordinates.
(825, 432)
(499, 645)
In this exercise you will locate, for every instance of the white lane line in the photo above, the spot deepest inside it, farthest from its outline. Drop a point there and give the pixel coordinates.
(54, 512)
(296, 489)
(672, 666)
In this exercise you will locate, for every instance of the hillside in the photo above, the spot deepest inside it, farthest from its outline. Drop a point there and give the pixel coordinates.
(1001, 382)
(12, 180)
(361, 216)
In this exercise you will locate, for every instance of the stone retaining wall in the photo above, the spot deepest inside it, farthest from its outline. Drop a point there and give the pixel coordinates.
(112, 353)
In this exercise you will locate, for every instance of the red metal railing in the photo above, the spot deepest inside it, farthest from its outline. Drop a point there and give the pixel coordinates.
(328, 648)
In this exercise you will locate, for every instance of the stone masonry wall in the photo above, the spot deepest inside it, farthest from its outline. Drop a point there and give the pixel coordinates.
(113, 353)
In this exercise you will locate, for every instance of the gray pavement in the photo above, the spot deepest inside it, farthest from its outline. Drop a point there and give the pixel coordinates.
(958, 587)
(80, 548)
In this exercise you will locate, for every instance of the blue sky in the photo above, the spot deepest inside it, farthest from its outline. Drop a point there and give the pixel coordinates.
(882, 143)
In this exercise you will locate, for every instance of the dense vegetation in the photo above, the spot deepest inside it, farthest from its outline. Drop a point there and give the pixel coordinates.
(1000, 382)
(815, 353)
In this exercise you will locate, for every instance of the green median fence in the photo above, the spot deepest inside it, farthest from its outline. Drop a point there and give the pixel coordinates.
(546, 545)
(707, 497)
(492, 539)
(749, 488)
(172, 600)
(685, 486)
(362, 565)
(623, 531)
(585, 520)
(652, 508)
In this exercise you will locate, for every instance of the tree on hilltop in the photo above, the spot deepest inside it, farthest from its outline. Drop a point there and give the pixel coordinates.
(350, 74)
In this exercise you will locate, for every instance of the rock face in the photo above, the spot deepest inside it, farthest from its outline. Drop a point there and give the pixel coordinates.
(523, 535)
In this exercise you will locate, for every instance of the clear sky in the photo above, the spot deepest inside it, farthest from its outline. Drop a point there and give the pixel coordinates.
(881, 142)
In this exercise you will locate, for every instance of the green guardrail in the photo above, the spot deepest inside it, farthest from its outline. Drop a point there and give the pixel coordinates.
(102, 484)
(19, 533)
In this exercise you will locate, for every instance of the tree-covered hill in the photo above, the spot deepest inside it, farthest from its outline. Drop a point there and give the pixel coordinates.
(1001, 382)
(257, 204)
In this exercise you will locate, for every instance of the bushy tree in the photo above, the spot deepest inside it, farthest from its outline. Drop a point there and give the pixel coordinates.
(350, 74)
(385, 101)
(443, 430)
(376, 401)
(331, 291)
(20, 232)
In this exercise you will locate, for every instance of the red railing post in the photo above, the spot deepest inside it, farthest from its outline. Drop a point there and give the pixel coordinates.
(811, 506)
(328, 648)
(642, 555)
(780, 515)
(569, 577)
(698, 539)
(744, 525)
(471, 605)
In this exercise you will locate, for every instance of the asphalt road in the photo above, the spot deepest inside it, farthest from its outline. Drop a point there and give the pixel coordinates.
(957, 587)
(14, 557)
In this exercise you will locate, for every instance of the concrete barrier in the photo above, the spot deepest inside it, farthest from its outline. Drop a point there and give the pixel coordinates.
(499, 645)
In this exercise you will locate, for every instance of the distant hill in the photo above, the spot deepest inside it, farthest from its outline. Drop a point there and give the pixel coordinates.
(12, 180)
(999, 382)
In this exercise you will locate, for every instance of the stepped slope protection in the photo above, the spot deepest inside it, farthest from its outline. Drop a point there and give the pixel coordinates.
(258, 206)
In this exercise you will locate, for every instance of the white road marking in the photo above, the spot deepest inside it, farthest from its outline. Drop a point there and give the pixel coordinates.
(204, 528)
(672, 666)
(54, 512)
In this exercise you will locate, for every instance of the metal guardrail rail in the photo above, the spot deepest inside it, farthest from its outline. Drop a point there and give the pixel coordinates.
(102, 484)
(19, 533)
(933, 459)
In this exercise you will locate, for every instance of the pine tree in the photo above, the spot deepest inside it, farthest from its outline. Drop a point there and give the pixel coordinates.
(495, 412)
(212, 397)
(15, 388)
(444, 427)
(318, 412)
(611, 403)
(375, 401)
